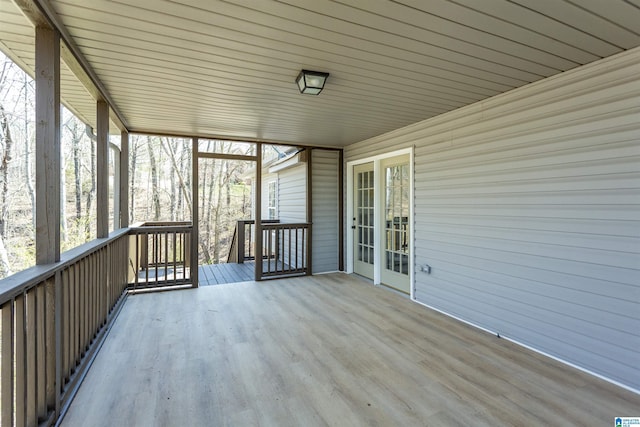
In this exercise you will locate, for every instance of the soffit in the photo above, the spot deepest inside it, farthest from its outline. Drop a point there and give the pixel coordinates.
(227, 68)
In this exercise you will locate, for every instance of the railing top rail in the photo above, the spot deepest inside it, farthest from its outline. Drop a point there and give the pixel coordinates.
(148, 229)
(287, 225)
(264, 221)
(17, 283)
(160, 223)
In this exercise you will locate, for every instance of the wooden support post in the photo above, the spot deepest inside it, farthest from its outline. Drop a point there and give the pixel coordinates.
(194, 213)
(341, 212)
(258, 210)
(102, 170)
(124, 179)
(116, 186)
(240, 248)
(47, 145)
(309, 205)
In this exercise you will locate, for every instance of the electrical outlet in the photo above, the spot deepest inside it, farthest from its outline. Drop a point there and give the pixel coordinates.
(426, 268)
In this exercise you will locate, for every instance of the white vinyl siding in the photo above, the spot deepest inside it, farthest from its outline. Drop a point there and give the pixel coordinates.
(527, 209)
(325, 184)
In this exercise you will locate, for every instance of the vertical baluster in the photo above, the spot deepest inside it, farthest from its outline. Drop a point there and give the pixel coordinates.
(166, 256)
(41, 364)
(103, 283)
(248, 242)
(297, 234)
(136, 266)
(290, 258)
(146, 277)
(20, 361)
(6, 369)
(186, 246)
(174, 265)
(156, 242)
(85, 285)
(50, 343)
(66, 326)
(31, 402)
(304, 251)
(93, 280)
(76, 316)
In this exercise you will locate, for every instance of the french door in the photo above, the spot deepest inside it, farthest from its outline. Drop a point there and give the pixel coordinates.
(382, 221)
(395, 185)
(363, 220)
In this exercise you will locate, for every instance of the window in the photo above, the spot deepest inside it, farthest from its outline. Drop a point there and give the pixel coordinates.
(272, 207)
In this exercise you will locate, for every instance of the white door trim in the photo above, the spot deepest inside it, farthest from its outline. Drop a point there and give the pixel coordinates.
(377, 233)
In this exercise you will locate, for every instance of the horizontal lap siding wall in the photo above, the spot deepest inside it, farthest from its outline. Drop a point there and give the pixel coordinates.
(292, 207)
(325, 210)
(292, 194)
(527, 208)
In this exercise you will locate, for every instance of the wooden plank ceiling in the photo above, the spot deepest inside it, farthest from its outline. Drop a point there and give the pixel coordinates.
(227, 68)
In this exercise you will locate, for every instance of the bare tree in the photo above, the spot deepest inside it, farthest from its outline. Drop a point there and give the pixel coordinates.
(155, 196)
(5, 156)
(28, 172)
(92, 173)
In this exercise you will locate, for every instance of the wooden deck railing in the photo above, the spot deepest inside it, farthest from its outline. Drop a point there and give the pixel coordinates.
(286, 249)
(52, 318)
(160, 255)
(242, 245)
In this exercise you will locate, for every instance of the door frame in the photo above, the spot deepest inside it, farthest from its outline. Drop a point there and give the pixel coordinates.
(377, 199)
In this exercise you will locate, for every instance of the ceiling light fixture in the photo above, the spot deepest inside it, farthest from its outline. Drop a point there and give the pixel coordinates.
(311, 82)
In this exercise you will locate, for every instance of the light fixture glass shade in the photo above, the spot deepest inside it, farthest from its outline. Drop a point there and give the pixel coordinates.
(311, 82)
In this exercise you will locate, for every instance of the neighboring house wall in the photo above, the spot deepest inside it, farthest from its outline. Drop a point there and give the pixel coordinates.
(527, 208)
(292, 194)
(325, 186)
(266, 179)
(292, 207)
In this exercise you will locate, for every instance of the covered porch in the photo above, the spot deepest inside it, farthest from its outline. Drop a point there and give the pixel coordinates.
(323, 350)
(493, 167)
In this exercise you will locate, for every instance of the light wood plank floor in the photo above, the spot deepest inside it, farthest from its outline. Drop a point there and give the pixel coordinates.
(326, 350)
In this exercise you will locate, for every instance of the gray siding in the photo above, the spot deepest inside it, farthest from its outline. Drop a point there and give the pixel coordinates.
(527, 208)
(292, 194)
(292, 206)
(325, 210)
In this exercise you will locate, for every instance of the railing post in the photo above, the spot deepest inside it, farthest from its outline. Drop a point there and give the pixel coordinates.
(309, 207)
(193, 265)
(258, 210)
(240, 242)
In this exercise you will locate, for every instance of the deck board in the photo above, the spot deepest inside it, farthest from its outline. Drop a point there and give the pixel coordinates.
(323, 350)
(217, 274)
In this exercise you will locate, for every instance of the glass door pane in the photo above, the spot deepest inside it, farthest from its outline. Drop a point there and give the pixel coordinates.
(395, 255)
(363, 221)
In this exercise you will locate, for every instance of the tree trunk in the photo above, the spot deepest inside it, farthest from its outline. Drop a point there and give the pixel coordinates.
(6, 143)
(77, 177)
(155, 196)
(63, 199)
(93, 188)
(28, 174)
(133, 157)
(184, 189)
(5, 266)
